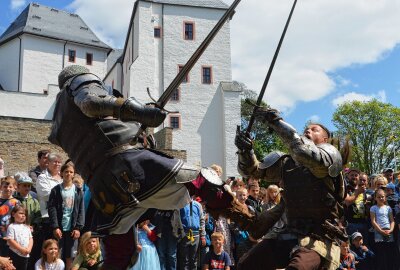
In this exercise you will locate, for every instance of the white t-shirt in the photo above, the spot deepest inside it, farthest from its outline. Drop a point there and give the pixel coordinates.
(44, 184)
(21, 233)
(57, 265)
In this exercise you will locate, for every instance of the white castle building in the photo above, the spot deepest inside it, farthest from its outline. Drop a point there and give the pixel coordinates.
(162, 36)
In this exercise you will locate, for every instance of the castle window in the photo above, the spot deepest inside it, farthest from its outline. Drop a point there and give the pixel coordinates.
(188, 30)
(157, 32)
(206, 75)
(89, 59)
(71, 56)
(176, 95)
(175, 122)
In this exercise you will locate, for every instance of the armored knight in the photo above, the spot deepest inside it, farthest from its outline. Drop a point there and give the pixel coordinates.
(310, 176)
(126, 179)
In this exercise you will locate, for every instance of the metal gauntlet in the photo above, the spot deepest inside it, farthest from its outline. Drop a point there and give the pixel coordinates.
(247, 163)
(133, 110)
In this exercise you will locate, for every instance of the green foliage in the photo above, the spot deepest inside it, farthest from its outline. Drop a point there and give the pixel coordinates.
(265, 141)
(374, 130)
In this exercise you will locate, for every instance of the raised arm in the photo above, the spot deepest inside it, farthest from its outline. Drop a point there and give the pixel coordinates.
(322, 159)
(95, 99)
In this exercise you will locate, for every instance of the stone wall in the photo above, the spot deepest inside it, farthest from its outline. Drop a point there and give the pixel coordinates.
(21, 139)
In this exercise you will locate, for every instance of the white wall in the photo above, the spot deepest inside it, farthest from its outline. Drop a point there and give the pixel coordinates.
(201, 134)
(231, 118)
(205, 110)
(41, 63)
(98, 67)
(9, 64)
(143, 69)
(28, 105)
(114, 75)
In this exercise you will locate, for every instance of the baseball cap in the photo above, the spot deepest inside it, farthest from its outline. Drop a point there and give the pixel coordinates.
(355, 235)
(390, 186)
(353, 170)
(388, 170)
(25, 180)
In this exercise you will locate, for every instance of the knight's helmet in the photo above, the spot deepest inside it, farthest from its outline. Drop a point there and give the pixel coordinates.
(70, 72)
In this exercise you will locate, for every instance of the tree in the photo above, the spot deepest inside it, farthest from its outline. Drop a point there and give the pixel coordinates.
(265, 141)
(374, 129)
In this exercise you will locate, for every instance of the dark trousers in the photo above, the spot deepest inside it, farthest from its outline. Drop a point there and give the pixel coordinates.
(272, 254)
(119, 250)
(387, 256)
(36, 248)
(19, 262)
(166, 249)
(4, 248)
(187, 253)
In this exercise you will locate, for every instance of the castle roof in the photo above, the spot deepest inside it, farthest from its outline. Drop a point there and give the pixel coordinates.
(44, 21)
(197, 3)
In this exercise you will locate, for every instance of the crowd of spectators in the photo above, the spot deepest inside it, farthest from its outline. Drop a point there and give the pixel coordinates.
(42, 223)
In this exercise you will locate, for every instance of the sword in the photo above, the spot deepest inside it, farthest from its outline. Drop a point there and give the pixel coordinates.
(271, 67)
(166, 95)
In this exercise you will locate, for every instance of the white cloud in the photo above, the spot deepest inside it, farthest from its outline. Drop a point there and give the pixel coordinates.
(314, 118)
(16, 4)
(353, 96)
(323, 36)
(108, 19)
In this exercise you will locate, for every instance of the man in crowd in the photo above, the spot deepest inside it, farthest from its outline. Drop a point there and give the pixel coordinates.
(40, 168)
(352, 179)
(355, 207)
(388, 173)
(312, 197)
(126, 179)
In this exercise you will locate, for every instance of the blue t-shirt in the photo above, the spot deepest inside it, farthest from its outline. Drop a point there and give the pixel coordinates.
(383, 220)
(216, 262)
(68, 198)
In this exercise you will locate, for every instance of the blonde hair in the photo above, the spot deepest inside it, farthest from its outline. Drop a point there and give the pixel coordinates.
(241, 190)
(83, 242)
(217, 168)
(46, 244)
(270, 189)
(380, 177)
(217, 235)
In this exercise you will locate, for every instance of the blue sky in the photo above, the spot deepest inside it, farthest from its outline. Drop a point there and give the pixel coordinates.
(334, 51)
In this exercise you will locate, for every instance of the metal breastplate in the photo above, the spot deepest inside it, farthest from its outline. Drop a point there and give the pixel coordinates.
(308, 202)
(86, 140)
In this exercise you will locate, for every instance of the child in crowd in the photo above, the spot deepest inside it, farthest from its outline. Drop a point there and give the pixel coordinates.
(243, 241)
(66, 213)
(273, 196)
(383, 223)
(273, 199)
(263, 196)
(148, 257)
(217, 258)
(80, 183)
(19, 238)
(50, 257)
(380, 181)
(252, 199)
(347, 261)
(7, 203)
(237, 184)
(364, 257)
(89, 255)
(31, 204)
